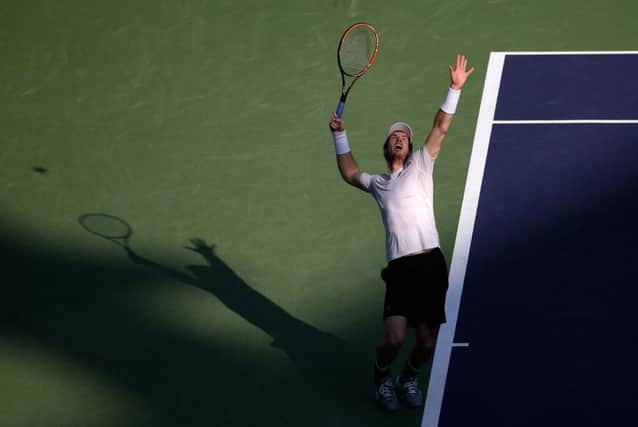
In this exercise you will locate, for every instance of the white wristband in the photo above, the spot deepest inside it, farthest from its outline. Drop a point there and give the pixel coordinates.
(451, 101)
(341, 142)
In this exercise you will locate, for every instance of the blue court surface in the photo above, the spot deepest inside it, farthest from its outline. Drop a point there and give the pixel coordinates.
(544, 278)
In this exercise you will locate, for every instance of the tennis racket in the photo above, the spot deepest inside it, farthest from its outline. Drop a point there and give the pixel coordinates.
(357, 52)
(108, 227)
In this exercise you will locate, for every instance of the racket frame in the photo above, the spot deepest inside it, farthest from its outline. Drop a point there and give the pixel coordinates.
(119, 239)
(346, 90)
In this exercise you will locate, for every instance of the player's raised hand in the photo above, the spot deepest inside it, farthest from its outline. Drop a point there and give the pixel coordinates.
(201, 247)
(459, 74)
(336, 124)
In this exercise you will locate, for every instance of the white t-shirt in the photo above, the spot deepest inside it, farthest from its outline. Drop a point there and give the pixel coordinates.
(406, 202)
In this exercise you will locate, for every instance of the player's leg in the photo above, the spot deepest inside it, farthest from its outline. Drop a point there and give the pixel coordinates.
(393, 338)
(407, 384)
(424, 345)
(395, 316)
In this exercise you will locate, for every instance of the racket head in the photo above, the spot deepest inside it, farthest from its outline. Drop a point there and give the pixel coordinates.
(107, 226)
(358, 49)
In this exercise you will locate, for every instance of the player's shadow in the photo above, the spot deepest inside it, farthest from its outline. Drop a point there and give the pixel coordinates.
(310, 349)
(108, 316)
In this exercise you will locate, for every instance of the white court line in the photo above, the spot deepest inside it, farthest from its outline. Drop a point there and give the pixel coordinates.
(460, 344)
(441, 361)
(563, 122)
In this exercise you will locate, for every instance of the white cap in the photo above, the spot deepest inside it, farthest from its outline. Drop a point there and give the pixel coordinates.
(400, 126)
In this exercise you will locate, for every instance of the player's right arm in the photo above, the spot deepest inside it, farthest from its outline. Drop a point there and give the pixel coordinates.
(346, 163)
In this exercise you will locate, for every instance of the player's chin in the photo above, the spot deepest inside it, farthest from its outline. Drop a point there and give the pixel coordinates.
(400, 154)
(395, 158)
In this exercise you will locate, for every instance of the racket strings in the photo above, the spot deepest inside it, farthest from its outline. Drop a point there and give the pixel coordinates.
(357, 51)
(106, 226)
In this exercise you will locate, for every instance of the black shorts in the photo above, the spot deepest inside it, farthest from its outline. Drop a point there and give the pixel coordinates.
(415, 288)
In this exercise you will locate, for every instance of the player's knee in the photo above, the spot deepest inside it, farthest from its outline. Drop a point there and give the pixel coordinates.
(426, 339)
(395, 339)
(425, 345)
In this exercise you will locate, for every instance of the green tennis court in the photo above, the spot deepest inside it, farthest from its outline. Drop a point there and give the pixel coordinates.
(251, 293)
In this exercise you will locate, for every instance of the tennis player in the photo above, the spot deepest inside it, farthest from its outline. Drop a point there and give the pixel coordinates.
(416, 274)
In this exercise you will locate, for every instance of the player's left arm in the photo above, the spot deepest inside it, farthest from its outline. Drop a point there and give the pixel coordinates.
(443, 118)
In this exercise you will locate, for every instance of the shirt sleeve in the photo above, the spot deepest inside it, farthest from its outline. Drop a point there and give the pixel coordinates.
(424, 160)
(366, 180)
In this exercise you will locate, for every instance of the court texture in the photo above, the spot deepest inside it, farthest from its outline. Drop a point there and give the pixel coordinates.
(250, 293)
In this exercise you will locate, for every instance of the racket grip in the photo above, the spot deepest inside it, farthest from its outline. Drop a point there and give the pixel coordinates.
(341, 106)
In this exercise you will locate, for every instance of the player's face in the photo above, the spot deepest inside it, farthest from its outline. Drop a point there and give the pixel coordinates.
(398, 145)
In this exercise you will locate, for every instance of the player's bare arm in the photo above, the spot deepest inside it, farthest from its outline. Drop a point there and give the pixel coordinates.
(443, 120)
(348, 166)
